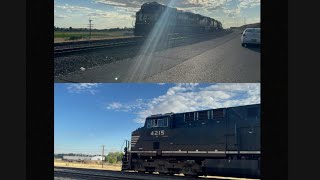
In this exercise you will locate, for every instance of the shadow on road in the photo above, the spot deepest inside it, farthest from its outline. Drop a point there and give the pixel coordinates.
(255, 48)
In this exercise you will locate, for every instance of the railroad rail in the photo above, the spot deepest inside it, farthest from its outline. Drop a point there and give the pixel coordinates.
(92, 176)
(71, 47)
(93, 47)
(106, 174)
(83, 175)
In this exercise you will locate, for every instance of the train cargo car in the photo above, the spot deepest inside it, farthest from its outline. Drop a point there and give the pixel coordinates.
(168, 20)
(224, 141)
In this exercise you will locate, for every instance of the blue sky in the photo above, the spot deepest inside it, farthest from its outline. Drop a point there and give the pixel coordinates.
(89, 115)
(120, 13)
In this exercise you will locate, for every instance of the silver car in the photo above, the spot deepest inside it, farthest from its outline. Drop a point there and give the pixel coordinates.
(250, 36)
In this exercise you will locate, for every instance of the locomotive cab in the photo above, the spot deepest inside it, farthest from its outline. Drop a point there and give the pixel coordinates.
(159, 121)
(150, 137)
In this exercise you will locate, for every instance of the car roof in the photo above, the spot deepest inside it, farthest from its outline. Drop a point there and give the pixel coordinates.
(251, 28)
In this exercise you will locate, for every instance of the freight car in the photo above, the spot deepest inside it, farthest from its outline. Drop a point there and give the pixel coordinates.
(169, 20)
(224, 141)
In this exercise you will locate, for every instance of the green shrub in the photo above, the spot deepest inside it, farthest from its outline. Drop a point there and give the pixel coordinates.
(114, 157)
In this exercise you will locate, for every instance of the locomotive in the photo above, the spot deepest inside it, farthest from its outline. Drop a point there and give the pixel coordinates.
(223, 141)
(153, 15)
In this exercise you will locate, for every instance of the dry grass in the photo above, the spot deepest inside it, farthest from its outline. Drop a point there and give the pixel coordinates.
(60, 36)
(116, 167)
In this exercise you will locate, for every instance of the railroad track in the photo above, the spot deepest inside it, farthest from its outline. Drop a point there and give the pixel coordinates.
(105, 174)
(95, 46)
(91, 176)
(79, 173)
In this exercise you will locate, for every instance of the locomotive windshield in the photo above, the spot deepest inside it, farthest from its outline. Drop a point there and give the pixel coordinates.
(157, 122)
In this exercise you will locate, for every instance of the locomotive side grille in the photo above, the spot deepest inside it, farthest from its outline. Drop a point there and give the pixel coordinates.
(134, 140)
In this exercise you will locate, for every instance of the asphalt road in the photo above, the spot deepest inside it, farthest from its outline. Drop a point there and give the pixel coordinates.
(222, 59)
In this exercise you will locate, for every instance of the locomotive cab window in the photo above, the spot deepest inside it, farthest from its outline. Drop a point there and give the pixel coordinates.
(155, 123)
(159, 122)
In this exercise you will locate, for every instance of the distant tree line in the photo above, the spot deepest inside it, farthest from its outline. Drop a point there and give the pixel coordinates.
(93, 30)
(73, 154)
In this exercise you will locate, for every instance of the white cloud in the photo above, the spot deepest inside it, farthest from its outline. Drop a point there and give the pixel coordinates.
(253, 20)
(72, 8)
(124, 11)
(232, 12)
(93, 12)
(60, 16)
(180, 4)
(248, 3)
(161, 84)
(82, 87)
(192, 97)
(114, 105)
(242, 4)
(137, 105)
(181, 87)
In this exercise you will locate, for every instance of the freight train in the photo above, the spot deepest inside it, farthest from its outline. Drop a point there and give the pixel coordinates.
(167, 20)
(224, 141)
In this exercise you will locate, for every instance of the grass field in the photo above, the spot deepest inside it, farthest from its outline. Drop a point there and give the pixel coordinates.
(62, 36)
(92, 165)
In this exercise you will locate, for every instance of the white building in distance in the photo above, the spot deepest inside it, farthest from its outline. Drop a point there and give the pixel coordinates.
(98, 158)
(76, 158)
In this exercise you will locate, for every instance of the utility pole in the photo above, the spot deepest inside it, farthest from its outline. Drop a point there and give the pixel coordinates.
(102, 155)
(90, 26)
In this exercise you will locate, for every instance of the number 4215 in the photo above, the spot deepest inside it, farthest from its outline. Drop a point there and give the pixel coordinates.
(157, 133)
